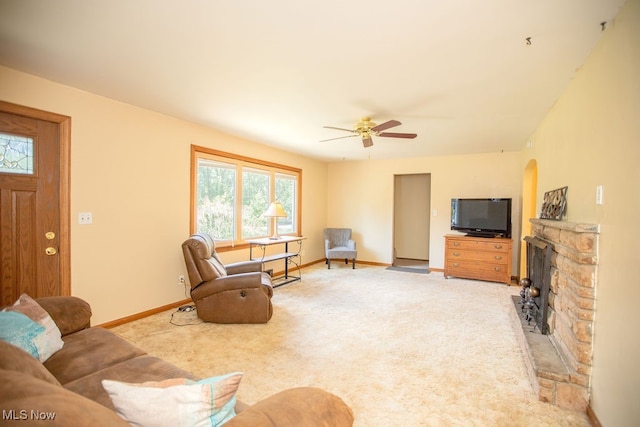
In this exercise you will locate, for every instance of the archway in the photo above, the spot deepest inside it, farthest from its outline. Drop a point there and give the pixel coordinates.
(529, 190)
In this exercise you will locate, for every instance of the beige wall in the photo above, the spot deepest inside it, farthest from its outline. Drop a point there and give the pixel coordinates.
(361, 196)
(591, 137)
(130, 168)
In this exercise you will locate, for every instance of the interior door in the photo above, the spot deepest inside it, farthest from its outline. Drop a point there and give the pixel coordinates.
(34, 203)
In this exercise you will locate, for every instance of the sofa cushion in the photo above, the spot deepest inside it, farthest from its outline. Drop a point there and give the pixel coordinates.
(13, 358)
(176, 402)
(139, 369)
(27, 400)
(88, 351)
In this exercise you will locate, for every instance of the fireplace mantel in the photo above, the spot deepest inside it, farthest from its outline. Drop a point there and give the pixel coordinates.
(576, 227)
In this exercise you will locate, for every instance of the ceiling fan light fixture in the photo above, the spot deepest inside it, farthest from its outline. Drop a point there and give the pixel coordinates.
(364, 125)
(365, 128)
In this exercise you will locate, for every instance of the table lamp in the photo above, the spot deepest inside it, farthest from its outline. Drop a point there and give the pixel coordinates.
(275, 211)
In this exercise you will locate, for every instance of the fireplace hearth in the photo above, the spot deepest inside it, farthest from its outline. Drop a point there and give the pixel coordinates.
(555, 310)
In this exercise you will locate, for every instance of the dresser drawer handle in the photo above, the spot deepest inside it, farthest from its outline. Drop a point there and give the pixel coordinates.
(456, 254)
(497, 269)
(498, 246)
(455, 264)
(497, 257)
(456, 243)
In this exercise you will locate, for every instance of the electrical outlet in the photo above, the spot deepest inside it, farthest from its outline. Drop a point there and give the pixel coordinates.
(85, 218)
(181, 281)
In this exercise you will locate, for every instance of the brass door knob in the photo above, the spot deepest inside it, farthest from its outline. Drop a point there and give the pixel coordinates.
(51, 251)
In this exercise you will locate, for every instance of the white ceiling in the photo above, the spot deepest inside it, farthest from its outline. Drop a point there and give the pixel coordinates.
(458, 73)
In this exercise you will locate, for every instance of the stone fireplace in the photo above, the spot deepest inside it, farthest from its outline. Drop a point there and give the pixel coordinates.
(559, 363)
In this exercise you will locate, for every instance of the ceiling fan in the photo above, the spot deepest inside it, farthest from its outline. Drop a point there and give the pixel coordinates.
(365, 128)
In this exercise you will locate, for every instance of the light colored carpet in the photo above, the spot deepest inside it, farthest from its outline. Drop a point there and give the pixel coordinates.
(401, 349)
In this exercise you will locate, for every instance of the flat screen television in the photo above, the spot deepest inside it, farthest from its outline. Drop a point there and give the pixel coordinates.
(482, 217)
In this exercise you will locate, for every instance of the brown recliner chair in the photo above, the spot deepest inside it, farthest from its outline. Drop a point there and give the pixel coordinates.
(234, 293)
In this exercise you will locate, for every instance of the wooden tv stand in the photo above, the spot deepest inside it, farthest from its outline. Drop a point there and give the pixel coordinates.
(480, 258)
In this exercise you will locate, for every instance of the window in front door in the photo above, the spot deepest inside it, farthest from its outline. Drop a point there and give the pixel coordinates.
(16, 154)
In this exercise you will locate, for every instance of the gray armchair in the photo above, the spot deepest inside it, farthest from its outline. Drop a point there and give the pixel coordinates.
(234, 293)
(339, 245)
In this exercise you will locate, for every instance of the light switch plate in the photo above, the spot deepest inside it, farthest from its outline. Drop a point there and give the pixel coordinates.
(599, 194)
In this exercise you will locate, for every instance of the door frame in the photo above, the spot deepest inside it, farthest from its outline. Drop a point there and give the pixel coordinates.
(396, 206)
(529, 200)
(64, 140)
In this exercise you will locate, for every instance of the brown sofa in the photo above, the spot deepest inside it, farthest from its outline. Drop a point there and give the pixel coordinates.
(68, 384)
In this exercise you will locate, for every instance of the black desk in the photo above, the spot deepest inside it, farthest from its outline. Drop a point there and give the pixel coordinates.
(288, 255)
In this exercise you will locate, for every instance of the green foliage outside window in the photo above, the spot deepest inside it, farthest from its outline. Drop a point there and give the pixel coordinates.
(286, 195)
(216, 195)
(255, 200)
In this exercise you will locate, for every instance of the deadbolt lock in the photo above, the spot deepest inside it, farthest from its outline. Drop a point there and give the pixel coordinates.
(51, 250)
(50, 235)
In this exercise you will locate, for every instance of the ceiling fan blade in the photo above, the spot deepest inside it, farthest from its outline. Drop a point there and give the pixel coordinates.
(332, 127)
(398, 135)
(367, 141)
(340, 137)
(386, 125)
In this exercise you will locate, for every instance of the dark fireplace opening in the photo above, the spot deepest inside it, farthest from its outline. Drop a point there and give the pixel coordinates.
(534, 296)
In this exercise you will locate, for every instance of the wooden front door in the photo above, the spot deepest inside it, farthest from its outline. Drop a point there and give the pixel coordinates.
(34, 203)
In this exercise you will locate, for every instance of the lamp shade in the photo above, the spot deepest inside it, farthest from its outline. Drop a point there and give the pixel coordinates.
(275, 210)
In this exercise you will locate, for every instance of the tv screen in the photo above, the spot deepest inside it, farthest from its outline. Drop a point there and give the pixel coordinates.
(482, 217)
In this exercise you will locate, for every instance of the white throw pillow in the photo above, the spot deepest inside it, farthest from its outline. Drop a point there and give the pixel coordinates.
(176, 402)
